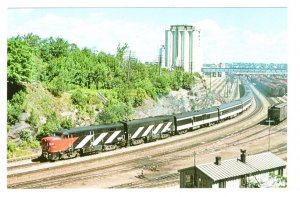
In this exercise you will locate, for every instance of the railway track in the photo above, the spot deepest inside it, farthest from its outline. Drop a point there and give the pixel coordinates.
(27, 161)
(30, 164)
(109, 169)
(173, 178)
(13, 186)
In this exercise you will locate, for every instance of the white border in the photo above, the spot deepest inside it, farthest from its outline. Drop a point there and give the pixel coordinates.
(293, 99)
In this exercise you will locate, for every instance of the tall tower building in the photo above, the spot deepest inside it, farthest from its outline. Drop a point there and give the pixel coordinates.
(182, 48)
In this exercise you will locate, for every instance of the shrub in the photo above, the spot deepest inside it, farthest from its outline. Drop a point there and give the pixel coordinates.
(26, 135)
(66, 123)
(33, 118)
(15, 107)
(57, 86)
(162, 84)
(79, 98)
(11, 147)
(139, 98)
(114, 113)
(52, 124)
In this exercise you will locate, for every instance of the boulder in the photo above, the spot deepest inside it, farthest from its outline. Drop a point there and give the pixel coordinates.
(24, 116)
(14, 132)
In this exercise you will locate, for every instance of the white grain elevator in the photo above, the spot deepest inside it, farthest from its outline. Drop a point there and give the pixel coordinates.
(182, 48)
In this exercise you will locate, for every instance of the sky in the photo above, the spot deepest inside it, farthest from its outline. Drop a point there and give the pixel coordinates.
(227, 34)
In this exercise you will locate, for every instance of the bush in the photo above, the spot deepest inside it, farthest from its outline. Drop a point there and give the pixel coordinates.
(34, 118)
(162, 84)
(93, 98)
(114, 113)
(26, 135)
(57, 86)
(139, 98)
(11, 147)
(188, 81)
(52, 124)
(15, 107)
(66, 123)
(79, 98)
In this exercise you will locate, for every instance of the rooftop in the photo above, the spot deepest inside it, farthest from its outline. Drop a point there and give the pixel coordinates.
(235, 167)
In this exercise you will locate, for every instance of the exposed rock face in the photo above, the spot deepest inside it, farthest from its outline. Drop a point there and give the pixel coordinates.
(14, 133)
(24, 116)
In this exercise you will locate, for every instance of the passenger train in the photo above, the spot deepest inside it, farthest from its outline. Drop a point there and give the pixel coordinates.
(92, 139)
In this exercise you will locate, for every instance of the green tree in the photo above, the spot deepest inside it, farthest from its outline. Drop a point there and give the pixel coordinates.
(19, 61)
(114, 113)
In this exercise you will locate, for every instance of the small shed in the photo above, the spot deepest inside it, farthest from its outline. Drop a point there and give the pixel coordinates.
(234, 173)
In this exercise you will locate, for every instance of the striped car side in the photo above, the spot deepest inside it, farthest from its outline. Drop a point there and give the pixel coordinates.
(152, 129)
(106, 138)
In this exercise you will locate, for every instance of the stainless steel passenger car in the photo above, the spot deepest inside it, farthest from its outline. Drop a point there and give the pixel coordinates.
(193, 120)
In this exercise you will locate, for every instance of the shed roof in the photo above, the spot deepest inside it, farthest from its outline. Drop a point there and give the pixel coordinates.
(265, 161)
(234, 168)
(280, 105)
(227, 169)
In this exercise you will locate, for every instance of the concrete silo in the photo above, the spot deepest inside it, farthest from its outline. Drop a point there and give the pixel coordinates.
(182, 48)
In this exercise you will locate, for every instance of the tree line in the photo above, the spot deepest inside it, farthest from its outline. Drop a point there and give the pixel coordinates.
(62, 67)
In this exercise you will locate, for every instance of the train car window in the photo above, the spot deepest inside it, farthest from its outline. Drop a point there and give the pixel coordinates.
(214, 115)
(185, 121)
(198, 118)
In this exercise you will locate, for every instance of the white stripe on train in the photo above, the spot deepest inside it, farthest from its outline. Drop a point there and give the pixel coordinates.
(84, 141)
(157, 128)
(137, 132)
(101, 137)
(148, 130)
(166, 127)
(112, 137)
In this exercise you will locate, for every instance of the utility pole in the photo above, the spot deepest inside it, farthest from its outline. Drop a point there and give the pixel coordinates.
(194, 158)
(269, 121)
(210, 82)
(194, 169)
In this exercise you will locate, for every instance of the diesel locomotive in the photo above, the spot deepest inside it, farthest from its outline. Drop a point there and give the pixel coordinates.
(75, 142)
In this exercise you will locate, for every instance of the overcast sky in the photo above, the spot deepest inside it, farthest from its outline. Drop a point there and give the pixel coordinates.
(227, 34)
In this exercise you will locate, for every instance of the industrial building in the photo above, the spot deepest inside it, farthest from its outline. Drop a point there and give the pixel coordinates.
(234, 173)
(182, 48)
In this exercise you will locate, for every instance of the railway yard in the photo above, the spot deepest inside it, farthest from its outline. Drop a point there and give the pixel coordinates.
(156, 164)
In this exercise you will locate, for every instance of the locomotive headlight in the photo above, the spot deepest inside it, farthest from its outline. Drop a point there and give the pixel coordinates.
(51, 144)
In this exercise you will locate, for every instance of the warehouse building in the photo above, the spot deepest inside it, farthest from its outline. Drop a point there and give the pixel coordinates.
(234, 173)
